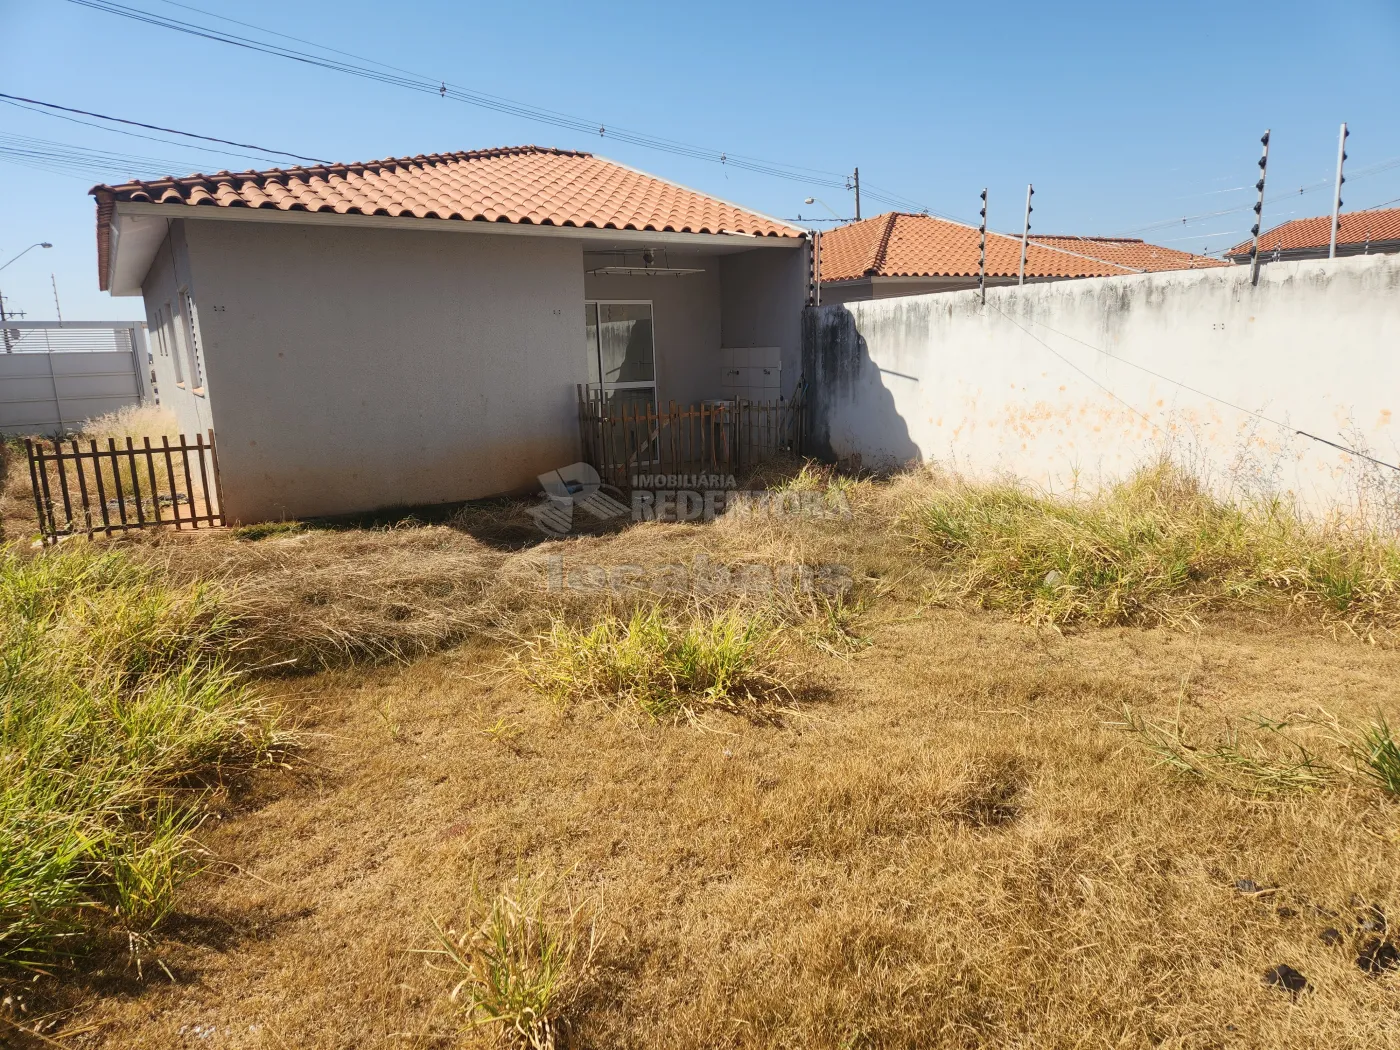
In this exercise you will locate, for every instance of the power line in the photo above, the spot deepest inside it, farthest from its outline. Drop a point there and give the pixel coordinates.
(63, 158)
(394, 76)
(168, 131)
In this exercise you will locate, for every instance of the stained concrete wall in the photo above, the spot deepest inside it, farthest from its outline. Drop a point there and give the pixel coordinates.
(355, 368)
(1048, 382)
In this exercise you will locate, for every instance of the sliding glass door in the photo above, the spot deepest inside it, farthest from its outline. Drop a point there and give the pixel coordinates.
(621, 353)
(622, 376)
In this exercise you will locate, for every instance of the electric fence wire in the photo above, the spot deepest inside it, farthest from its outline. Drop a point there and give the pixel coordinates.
(1175, 382)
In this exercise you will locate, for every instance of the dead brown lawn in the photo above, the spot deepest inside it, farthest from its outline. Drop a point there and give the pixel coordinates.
(952, 842)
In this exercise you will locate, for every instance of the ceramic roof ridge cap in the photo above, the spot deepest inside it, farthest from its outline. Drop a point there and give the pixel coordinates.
(882, 244)
(359, 167)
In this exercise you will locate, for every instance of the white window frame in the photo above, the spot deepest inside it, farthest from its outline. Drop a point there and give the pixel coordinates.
(168, 321)
(655, 382)
(187, 309)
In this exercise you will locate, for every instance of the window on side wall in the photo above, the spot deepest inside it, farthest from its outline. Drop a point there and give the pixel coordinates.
(171, 343)
(192, 340)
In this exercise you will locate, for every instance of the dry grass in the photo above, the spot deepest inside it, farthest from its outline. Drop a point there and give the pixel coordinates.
(18, 520)
(958, 849)
(958, 844)
(134, 421)
(1156, 549)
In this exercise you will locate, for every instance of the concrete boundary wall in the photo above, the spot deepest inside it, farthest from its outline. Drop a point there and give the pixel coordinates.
(54, 377)
(1049, 383)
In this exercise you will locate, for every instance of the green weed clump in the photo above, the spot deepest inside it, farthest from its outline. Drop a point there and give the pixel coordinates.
(521, 970)
(117, 710)
(665, 664)
(1154, 550)
(1377, 755)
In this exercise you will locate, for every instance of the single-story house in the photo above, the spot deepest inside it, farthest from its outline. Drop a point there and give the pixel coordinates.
(413, 330)
(899, 253)
(1374, 232)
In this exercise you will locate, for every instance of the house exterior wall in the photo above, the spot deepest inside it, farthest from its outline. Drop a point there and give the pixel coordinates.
(1041, 384)
(353, 369)
(762, 295)
(686, 318)
(170, 272)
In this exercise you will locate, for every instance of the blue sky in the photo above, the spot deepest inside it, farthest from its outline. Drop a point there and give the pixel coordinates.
(1123, 115)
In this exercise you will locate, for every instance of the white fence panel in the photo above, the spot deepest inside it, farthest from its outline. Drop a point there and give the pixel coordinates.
(54, 376)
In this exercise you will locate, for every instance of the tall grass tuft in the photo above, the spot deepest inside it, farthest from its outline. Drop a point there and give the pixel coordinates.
(116, 702)
(520, 970)
(1156, 549)
(666, 664)
(1377, 755)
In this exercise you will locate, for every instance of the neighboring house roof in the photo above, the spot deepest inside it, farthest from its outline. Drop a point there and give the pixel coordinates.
(518, 184)
(1305, 235)
(899, 244)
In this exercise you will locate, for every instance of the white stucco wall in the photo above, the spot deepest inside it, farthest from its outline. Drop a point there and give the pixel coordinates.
(1315, 346)
(353, 369)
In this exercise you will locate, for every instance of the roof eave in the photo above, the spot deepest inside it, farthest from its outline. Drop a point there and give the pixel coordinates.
(118, 272)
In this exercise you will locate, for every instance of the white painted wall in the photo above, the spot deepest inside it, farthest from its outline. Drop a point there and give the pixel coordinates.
(762, 296)
(355, 369)
(1041, 384)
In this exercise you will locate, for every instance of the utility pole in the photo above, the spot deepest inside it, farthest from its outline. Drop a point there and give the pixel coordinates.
(5, 332)
(1026, 233)
(1337, 194)
(982, 250)
(54, 281)
(855, 184)
(1259, 210)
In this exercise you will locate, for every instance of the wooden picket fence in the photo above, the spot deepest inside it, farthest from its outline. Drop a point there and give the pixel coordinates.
(712, 437)
(94, 490)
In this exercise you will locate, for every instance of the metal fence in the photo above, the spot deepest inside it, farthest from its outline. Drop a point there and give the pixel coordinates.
(122, 487)
(54, 375)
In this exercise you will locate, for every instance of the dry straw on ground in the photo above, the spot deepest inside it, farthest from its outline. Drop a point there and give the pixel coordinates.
(960, 841)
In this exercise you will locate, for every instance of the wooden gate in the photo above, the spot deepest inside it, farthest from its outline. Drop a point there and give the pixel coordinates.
(713, 437)
(118, 488)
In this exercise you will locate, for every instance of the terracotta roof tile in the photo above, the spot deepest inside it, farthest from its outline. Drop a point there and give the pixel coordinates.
(1355, 227)
(518, 184)
(898, 244)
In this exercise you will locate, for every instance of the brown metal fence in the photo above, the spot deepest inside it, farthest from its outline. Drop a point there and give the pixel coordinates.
(93, 489)
(631, 438)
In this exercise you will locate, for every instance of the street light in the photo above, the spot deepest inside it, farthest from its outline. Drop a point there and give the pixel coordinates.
(37, 244)
(828, 207)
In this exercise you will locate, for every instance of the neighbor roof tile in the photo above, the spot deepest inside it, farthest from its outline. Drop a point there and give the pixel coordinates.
(898, 244)
(1356, 227)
